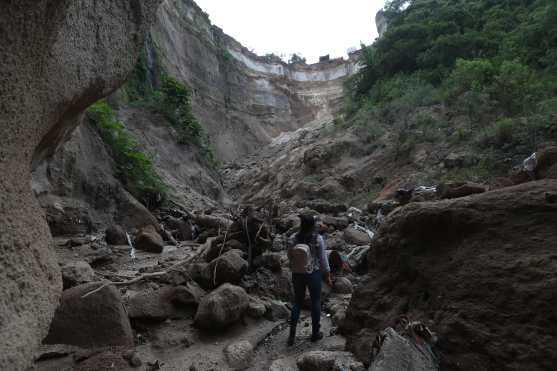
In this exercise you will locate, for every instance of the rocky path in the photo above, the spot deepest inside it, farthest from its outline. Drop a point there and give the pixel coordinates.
(274, 355)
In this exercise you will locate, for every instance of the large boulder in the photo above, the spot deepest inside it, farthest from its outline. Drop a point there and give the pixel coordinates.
(222, 307)
(189, 294)
(165, 302)
(271, 261)
(481, 266)
(77, 273)
(148, 239)
(547, 163)
(98, 320)
(339, 223)
(154, 305)
(230, 267)
(182, 227)
(256, 308)
(328, 361)
(356, 237)
(239, 355)
(277, 310)
(56, 59)
(115, 235)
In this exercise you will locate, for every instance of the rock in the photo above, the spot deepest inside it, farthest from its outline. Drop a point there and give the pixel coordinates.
(336, 242)
(283, 364)
(342, 285)
(460, 160)
(133, 358)
(264, 283)
(222, 307)
(547, 163)
(280, 243)
(190, 294)
(183, 228)
(256, 308)
(79, 241)
(270, 261)
(156, 305)
(86, 50)
(357, 258)
(229, 268)
(216, 249)
(323, 207)
(77, 273)
(115, 235)
(149, 240)
(328, 361)
(100, 257)
(239, 355)
(277, 310)
(338, 223)
(488, 256)
(184, 273)
(356, 237)
(98, 320)
(386, 207)
(551, 197)
(286, 223)
(456, 190)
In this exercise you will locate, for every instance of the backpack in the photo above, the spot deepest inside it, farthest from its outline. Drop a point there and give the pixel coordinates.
(301, 258)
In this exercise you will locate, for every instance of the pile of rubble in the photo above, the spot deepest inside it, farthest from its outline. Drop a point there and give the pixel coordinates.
(208, 272)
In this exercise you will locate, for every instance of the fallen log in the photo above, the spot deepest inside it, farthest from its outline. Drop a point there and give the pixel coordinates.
(147, 275)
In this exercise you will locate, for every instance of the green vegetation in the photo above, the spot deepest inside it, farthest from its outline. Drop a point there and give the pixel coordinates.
(173, 100)
(134, 168)
(490, 62)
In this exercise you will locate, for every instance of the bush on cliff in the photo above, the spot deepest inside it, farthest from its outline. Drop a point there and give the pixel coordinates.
(171, 98)
(134, 168)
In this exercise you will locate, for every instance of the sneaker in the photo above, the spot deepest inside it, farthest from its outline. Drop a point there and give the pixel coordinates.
(316, 337)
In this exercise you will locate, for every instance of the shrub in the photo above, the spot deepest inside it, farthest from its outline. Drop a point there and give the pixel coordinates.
(428, 127)
(134, 168)
(498, 134)
(473, 76)
(175, 103)
(513, 87)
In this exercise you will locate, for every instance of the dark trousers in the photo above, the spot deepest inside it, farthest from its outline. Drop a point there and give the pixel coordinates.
(313, 281)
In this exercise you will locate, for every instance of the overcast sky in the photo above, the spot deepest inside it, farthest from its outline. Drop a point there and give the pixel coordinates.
(309, 27)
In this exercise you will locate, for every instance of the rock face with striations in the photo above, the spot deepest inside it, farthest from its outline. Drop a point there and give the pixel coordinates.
(243, 100)
(56, 58)
(481, 268)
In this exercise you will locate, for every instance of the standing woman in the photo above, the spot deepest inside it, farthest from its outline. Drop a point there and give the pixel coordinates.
(312, 278)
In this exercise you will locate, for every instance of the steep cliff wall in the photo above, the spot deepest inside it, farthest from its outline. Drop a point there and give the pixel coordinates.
(56, 58)
(243, 100)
